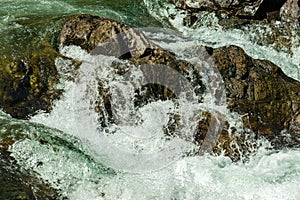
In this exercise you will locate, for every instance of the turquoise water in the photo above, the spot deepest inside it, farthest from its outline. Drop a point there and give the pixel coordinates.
(68, 150)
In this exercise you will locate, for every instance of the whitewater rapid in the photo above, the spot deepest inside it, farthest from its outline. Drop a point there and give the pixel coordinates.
(77, 161)
(267, 175)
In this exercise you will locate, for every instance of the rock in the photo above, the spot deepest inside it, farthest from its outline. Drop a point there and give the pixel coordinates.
(30, 155)
(28, 83)
(257, 89)
(236, 144)
(294, 129)
(254, 9)
(14, 186)
(275, 23)
(290, 12)
(17, 183)
(103, 36)
(109, 37)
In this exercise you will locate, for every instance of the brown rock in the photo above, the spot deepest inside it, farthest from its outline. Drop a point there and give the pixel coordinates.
(108, 37)
(103, 36)
(258, 89)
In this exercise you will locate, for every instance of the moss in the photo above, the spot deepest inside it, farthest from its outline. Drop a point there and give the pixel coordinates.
(28, 83)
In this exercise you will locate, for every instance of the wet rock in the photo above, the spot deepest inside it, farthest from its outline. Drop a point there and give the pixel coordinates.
(257, 89)
(30, 161)
(236, 144)
(103, 36)
(290, 12)
(14, 186)
(275, 23)
(109, 37)
(294, 130)
(254, 9)
(28, 83)
(17, 183)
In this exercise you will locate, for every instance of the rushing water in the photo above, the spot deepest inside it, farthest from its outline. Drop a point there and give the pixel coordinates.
(134, 159)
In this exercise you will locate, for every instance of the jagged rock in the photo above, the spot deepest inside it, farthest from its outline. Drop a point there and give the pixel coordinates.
(237, 145)
(28, 84)
(108, 37)
(257, 89)
(103, 36)
(276, 23)
(294, 130)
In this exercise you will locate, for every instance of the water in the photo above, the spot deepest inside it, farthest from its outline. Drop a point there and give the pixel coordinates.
(133, 158)
(208, 32)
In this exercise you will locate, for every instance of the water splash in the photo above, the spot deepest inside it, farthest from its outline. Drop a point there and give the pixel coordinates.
(208, 32)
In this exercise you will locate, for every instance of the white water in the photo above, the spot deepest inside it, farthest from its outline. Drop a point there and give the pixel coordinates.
(208, 32)
(136, 142)
(268, 175)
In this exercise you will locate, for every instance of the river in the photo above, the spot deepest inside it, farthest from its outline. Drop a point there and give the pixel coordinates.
(124, 161)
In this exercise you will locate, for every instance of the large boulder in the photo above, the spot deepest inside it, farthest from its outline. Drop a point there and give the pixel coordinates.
(103, 36)
(258, 90)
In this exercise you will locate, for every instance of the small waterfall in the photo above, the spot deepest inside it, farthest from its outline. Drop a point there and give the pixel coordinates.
(124, 136)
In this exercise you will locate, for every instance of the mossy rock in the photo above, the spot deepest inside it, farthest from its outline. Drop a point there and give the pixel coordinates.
(28, 83)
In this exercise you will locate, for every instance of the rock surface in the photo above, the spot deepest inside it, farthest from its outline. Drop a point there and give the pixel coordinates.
(290, 11)
(28, 84)
(103, 36)
(253, 9)
(108, 37)
(256, 89)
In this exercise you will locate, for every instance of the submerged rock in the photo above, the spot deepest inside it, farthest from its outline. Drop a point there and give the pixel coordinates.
(17, 183)
(28, 84)
(37, 162)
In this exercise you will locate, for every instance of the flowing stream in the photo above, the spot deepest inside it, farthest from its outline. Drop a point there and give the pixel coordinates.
(88, 159)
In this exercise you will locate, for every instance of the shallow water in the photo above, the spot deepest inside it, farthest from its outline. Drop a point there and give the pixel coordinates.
(134, 159)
